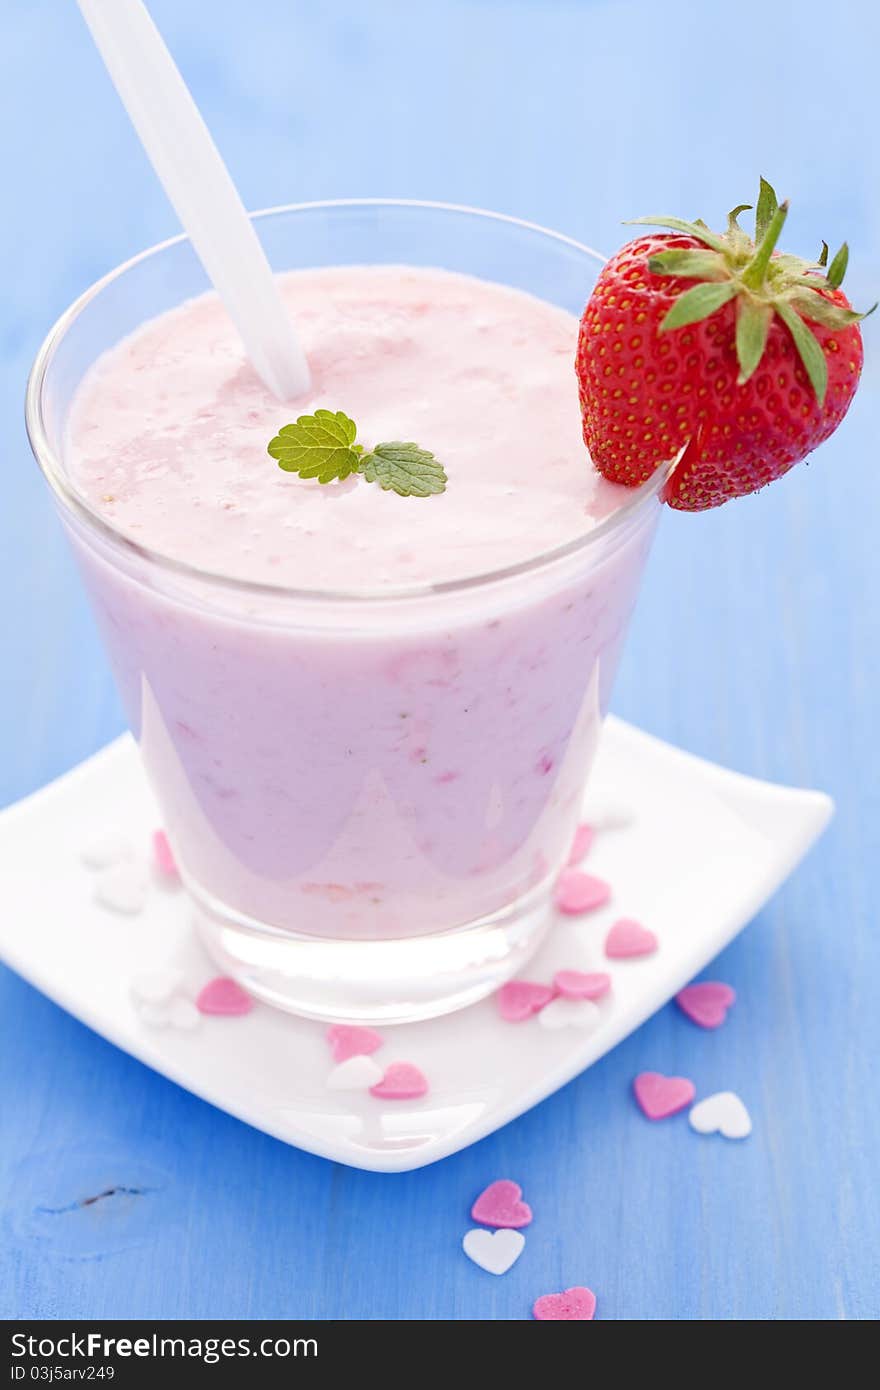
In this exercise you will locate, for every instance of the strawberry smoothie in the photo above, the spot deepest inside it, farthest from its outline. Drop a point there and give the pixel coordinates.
(170, 431)
(377, 724)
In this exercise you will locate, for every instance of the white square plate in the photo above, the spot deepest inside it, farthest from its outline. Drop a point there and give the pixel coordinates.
(704, 849)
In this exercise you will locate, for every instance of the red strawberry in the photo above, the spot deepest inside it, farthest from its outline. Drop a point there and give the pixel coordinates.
(746, 371)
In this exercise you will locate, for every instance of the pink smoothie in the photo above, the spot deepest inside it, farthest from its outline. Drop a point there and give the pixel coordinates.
(396, 759)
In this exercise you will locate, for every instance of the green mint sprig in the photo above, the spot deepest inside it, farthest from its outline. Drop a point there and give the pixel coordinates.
(323, 446)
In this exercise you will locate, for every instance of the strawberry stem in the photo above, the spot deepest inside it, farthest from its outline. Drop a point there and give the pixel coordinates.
(753, 275)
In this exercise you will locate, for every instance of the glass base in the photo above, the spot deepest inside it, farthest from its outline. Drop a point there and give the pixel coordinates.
(375, 982)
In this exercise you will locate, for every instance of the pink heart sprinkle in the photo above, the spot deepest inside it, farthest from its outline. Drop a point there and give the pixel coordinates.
(163, 854)
(706, 1003)
(520, 999)
(224, 997)
(578, 892)
(660, 1096)
(574, 984)
(501, 1205)
(580, 845)
(628, 938)
(575, 1305)
(402, 1081)
(350, 1040)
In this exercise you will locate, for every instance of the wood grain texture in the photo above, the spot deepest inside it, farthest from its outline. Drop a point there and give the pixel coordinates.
(756, 643)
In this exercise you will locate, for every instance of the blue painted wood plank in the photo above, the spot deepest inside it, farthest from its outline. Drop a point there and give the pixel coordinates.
(756, 643)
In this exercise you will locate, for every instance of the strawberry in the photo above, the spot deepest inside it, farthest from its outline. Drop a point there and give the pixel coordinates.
(742, 373)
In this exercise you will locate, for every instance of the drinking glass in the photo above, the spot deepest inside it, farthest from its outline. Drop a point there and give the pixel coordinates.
(370, 795)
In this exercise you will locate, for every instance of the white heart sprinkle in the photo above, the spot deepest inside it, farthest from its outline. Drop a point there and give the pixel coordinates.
(722, 1113)
(182, 1013)
(123, 889)
(170, 1013)
(154, 1015)
(105, 848)
(570, 1013)
(156, 986)
(494, 1251)
(357, 1073)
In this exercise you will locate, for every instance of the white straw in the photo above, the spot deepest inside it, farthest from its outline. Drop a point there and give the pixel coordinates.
(199, 187)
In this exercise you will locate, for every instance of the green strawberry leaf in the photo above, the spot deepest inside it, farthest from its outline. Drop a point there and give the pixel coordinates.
(676, 224)
(318, 446)
(733, 218)
(767, 205)
(752, 326)
(691, 265)
(697, 304)
(404, 468)
(821, 310)
(823, 254)
(808, 349)
(837, 268)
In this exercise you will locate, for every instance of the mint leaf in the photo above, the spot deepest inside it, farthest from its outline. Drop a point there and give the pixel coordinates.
(323, 446)
(318, 446)
(405, 469)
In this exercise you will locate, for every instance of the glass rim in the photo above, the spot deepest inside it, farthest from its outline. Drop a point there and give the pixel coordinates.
(63, 489)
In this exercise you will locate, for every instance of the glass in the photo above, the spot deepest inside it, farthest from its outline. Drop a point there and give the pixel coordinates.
(369, 795)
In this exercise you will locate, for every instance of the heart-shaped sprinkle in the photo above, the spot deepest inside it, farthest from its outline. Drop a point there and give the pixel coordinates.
(175, 1013)
(628, 939)
(163, 856)
(660, 1096)
(574, 984)
(577, 892)
(122, 889)
(494, 1251)
(706, 1003)
(156, 986)
(154, 1015)
(723, 1113)
(580, 845)
(571, 1013)
(520, 999)
(356, 1073)
(350, 1040)
(501, 1204)
(402, 1081)
(574, 1305)
(105, 848)
(224, 998)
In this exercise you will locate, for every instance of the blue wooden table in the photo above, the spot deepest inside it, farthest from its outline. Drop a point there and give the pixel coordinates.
(756, 643)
